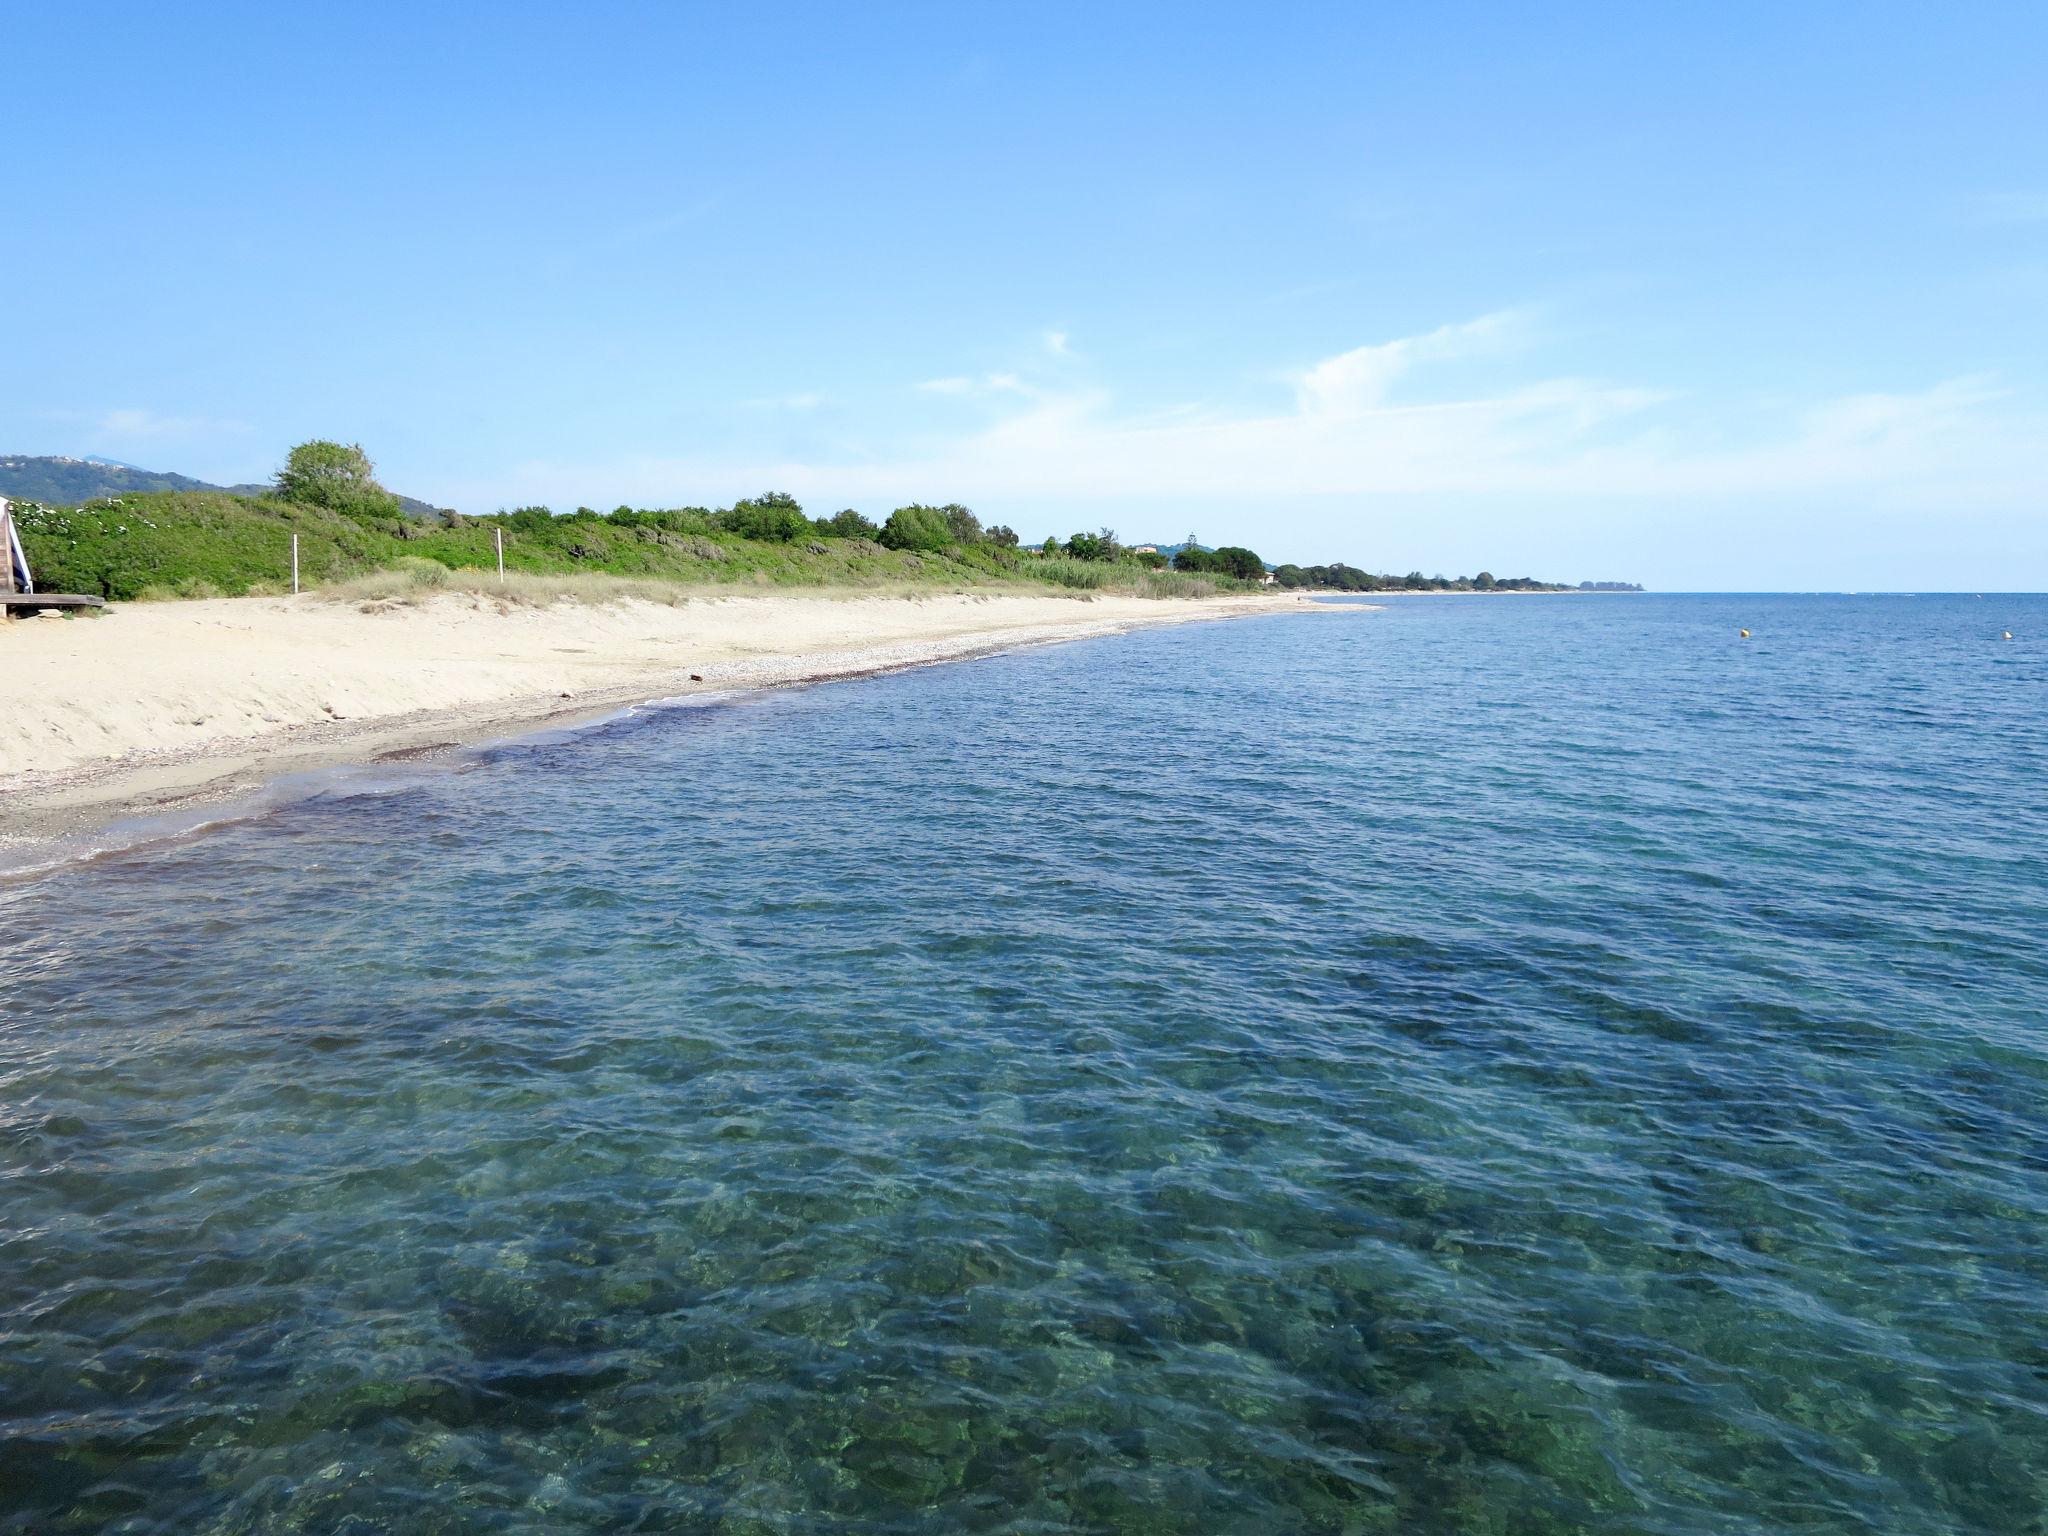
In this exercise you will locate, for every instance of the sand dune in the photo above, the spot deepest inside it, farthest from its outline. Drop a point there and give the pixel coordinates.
(158, 706)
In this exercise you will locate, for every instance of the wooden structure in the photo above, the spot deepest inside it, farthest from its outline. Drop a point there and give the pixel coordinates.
(18, 592)
(29, 602)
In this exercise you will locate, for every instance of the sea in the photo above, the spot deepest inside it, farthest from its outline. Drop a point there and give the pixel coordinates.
(1484, 1065)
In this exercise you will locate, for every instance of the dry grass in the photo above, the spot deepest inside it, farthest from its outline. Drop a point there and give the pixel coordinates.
(418, 581)
(412, 581)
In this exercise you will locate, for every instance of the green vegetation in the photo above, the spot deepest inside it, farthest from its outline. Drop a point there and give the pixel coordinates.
(215, 543)
(1231, 560)
(337, 476)
(188, 542)
(1340, 577)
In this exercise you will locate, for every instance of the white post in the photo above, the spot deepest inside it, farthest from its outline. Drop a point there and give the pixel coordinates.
(295, 565)
(499, 535)
(7, 553)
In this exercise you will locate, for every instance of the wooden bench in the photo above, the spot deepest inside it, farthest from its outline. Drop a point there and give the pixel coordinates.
(16, 602)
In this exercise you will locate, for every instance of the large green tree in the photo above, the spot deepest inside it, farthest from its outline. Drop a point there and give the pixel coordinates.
(918, 527)
(339, 476)
(773, 515)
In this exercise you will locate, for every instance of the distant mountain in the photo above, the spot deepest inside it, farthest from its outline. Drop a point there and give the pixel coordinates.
(66, 482)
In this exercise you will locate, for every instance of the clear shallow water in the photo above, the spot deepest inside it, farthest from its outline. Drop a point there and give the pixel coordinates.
(1514, 1065)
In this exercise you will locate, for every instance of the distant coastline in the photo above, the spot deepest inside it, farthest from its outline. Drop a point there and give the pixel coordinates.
(96, 528)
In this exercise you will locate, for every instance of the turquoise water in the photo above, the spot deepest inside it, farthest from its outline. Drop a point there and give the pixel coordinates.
(1512, 1065)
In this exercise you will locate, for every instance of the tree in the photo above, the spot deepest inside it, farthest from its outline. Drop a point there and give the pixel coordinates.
(773, 516)
(1087, 546)
(917, 527)
(1002, 536)
(1240, 562)
(846, 524)
(1483, 581)
(1230, 560)
(1290, 576)
(339, 476)
(965, 526)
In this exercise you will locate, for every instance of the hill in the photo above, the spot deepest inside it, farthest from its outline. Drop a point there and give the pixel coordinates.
(64, 481)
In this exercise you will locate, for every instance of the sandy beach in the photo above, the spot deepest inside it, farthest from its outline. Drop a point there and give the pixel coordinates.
(159, 708)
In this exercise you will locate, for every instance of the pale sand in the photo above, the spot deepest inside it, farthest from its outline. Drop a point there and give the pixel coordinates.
(159, 708)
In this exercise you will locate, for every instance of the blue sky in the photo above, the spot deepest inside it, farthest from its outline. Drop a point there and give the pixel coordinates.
(1735, 296)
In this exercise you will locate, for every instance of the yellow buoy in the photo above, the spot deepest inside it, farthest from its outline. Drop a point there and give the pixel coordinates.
(1745, 634)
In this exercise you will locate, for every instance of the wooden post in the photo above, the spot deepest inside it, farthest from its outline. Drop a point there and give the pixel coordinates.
(295, 565)
(499, 534)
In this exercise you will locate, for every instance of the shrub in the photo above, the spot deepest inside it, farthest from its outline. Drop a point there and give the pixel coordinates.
(338, 476)
(965, 526)
(1231, 560)
(918, 528)
(846, 524)
(773, 517)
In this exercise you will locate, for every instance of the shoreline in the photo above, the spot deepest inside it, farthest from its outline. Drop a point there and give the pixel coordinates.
(426, 682)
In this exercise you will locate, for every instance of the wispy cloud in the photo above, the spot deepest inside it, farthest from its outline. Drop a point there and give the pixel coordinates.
(986, 384)
(1373, 420)
(1360, 380)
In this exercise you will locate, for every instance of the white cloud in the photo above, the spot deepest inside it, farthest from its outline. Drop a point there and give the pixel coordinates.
(1363, 424)
(1056, 344)
(1360, 380)
(990, 383)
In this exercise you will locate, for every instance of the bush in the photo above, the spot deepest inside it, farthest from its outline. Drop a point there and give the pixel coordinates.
(846, 524)
(774, 518)
(965, 526)
(337, 476)
(917, 528)
(1232, 560)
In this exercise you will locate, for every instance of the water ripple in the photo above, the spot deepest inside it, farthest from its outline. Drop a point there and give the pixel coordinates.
(1482, 1067)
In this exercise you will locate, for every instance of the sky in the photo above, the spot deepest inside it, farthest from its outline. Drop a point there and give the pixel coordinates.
(1711, 297)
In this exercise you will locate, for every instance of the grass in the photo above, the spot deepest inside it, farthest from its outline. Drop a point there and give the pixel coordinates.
(412, 581)
(173, 545)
